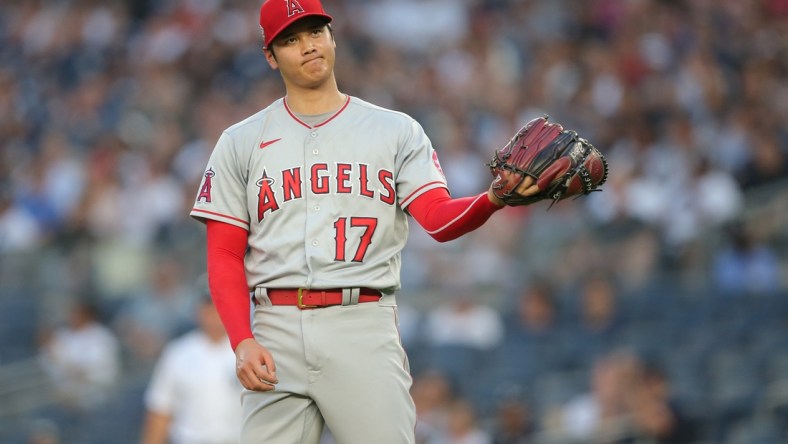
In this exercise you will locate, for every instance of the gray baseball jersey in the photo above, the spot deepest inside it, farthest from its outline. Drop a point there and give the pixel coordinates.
(323, 203)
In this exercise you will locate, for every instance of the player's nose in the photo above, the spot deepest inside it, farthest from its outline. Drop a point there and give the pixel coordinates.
(307, 47)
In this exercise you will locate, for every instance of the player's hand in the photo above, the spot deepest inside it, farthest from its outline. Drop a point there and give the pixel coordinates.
(527, 188)
(255, 366)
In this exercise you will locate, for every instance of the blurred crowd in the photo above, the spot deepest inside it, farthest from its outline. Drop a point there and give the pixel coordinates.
(109, 110)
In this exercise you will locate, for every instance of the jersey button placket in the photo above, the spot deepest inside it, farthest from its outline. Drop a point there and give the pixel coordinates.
(314, 226)
(313, 140)
(313, 221)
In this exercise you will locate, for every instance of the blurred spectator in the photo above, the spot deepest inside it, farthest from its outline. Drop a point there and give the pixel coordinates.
(600, 320)
(459, 334)
(433, 395)
(531, 345)
(636, 138)
(637, 256)
(599, 313)
(768, 162)
(656, 416)
(461, 320)
(745, 266)
(462, 426)
(157, 196)
(535, 313)
(193, 395)
(82, 359)
(33, 198)
(512, 422)
(18, 228)
(600, 415)
(51, 184)
(645, 198)
(716, 195)
(709, 198)
(157, 314)
(98, 212)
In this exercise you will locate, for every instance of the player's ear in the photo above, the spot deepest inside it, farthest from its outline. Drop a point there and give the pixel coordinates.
(270, 57)
(331, 31)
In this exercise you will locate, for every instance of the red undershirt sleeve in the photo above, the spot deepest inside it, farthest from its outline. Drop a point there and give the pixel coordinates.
(226, 245)
(445, 218)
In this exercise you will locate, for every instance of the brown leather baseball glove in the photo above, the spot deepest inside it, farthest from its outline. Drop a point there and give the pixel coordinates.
(543, 161)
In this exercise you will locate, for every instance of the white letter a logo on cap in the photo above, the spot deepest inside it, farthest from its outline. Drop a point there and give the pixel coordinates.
(293, 7)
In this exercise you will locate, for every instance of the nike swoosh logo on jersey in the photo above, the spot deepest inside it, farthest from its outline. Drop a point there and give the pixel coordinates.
(264, 143)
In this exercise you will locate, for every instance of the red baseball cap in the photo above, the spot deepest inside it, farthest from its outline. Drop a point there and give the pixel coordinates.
(276, 15)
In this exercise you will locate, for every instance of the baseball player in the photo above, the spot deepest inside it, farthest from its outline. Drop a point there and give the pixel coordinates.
(306, 206)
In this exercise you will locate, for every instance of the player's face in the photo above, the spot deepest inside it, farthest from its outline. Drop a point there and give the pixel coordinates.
(305, 53)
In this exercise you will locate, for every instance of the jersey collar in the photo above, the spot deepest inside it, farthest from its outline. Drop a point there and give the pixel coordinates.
(292, 114)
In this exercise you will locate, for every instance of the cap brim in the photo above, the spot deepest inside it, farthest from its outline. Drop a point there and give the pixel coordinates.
(292, 20)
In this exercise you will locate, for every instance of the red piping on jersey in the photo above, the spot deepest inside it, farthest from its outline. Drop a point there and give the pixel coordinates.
(410, 196)
(197, 210)
(347, 102)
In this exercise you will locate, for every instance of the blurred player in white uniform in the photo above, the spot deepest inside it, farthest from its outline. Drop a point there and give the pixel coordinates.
(305, 205)
(192, 397)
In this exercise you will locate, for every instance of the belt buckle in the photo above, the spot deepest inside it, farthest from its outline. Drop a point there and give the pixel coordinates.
(300, 300)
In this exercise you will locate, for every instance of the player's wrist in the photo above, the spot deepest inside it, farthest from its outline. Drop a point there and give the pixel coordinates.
(236, 342)
(494, 199)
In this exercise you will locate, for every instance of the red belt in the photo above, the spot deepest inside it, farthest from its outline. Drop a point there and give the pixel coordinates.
(305, 298)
